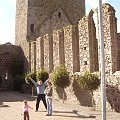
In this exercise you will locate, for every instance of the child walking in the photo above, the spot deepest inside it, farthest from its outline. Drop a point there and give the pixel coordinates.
(49, 92)
(25, 108)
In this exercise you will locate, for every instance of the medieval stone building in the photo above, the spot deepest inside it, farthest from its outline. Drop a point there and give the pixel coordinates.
(47, 31)
(58, 32)
(54, 32)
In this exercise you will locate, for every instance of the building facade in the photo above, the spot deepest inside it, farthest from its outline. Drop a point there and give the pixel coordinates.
(42, 26)
(55, 32)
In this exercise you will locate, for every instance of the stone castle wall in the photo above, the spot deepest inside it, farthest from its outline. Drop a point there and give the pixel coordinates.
(88, 52)
(55, 49)
(49, 39)
(110, 36)
(111, 51)
(35, 18)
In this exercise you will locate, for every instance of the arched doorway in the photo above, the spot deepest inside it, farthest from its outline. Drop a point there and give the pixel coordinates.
(6, 59)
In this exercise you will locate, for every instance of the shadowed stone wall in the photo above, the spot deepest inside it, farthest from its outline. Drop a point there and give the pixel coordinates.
(8, 55)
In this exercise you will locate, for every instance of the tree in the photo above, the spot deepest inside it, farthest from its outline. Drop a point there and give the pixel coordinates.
(60, 78)
(88, 81)
(42, 75)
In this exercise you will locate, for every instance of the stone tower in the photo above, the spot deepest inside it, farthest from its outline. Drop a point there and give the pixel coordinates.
(35, 18)
(32, 14)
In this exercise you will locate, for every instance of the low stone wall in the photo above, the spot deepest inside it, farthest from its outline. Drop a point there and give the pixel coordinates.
(74, 95)
(112, 93)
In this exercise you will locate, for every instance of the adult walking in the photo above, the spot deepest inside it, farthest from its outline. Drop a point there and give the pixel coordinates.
(40, 86)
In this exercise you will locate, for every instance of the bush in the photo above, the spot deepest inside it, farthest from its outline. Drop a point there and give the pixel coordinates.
(32, 75)
(88, 81)
(42, 75)
(60, 77)
(18, 81)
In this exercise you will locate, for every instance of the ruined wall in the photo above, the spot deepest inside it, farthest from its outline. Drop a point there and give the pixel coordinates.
(46, 52)
(61, 47)
(111, 49)
(33, 56)
(68, 48)
(55, 48)
(50, 35)
(88, 44)
(84, 44)
(35, 18)
(88, 48)
(110, 39)
(38, 57)
(58, 48)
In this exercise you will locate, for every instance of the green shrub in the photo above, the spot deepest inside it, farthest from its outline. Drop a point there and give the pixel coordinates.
(32, 75)
(18, 81)
(42, 75)
(88, 81)
(60, 77)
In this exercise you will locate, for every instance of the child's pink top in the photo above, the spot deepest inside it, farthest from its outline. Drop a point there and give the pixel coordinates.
(25, 108)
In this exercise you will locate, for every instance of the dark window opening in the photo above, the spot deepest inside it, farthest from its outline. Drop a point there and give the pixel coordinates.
(59, 14)
(84, 48)
(85, 62)
(32, 28)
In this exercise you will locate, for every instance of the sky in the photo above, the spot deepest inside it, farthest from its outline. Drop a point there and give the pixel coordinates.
(7, 17)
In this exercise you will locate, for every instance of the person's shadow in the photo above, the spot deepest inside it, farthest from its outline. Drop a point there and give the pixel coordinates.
(74, 114)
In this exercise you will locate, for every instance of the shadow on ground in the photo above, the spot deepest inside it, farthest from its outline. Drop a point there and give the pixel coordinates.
(73, 113)
(4, 105)
(15, 96)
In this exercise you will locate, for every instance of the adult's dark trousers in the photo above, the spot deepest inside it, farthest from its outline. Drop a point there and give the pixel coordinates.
(39, 98)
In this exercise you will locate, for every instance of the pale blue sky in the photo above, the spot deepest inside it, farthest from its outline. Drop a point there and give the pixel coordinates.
(7, 17)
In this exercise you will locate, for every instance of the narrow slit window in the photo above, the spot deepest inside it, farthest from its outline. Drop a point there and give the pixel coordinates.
(32, 28)
(84, 48)
(59, 14)
(85, 62)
